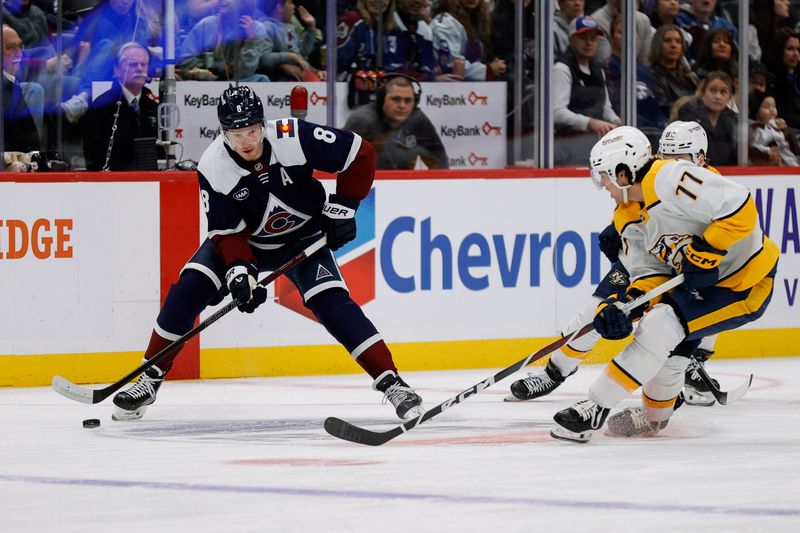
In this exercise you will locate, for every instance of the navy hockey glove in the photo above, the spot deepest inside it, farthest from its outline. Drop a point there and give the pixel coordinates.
(700, 264)
(611, 322)
(610, 242)
(339, 220)
(241, 281)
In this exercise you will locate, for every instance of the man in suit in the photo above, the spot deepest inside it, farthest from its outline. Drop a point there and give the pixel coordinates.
(128, 105)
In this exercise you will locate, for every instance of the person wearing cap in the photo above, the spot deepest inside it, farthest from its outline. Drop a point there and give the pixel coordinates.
(582, 111)
(759, 77)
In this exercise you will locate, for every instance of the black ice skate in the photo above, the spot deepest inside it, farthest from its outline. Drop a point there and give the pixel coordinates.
(131, 404)
(406, 402)
(695, 390)
(631, 422)
(577, 423)
(538, 384)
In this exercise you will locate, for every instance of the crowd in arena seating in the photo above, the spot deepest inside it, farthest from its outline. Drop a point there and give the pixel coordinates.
(686, 57)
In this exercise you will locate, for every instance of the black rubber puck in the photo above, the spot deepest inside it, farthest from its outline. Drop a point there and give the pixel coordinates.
(91, 423)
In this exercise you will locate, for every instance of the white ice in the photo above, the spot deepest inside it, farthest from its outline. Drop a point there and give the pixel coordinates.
(252, 455)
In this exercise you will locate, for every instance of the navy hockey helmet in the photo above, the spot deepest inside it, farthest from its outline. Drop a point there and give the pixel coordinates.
(239, 107)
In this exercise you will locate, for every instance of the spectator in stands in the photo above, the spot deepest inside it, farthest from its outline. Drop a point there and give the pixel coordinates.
(42, 64)
(767, 16)
(644, 32)
(118, 116)
(411, 49)
(565, 12)
(287, 51)
(698, 18)
(582, 111)
(503, 40)
(108, 25)
(784, 65)
(710, 109)
(770, 143)
(664, 12)
(356, 35)
(462, 32)
(718, 51)
(403, 136)
(19, 128)
(674, 78)
(760, 78)
(650, 119)
(226, 46)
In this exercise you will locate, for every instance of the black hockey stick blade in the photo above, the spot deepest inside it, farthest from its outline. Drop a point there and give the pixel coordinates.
(81, 394)
(724, 398)
(346, 431)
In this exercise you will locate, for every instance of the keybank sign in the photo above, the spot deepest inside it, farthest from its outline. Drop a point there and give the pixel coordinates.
(517, 259)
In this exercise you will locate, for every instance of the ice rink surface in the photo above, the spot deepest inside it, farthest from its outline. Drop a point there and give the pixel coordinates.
(251, 455)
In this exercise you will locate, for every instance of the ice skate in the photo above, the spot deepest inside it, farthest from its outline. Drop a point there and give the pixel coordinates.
(630, 422)
(538, 384)
(577, 423)
(406, 402)
(131, 404)
(695, 390)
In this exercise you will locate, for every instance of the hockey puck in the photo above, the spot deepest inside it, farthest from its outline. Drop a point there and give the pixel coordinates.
(91, 423)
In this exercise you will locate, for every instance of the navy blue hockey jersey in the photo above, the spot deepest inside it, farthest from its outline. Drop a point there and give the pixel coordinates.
(276, 200)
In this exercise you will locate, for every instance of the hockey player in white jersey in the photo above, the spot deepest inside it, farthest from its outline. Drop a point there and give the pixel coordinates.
(263, 206)
(675, 217)
(680, 140)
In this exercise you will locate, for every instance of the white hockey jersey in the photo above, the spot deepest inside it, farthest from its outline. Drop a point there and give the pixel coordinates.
(682, 200)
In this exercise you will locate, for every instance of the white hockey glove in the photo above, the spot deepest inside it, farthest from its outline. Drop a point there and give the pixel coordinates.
(241, 281)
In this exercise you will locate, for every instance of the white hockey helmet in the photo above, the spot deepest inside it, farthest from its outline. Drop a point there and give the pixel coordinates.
(684, 138)
(624, 146)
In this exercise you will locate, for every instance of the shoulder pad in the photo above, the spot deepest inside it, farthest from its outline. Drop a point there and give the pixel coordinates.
(219, 168)
(284, 137)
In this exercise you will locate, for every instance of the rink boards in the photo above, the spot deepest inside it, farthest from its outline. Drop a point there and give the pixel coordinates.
(457, 270)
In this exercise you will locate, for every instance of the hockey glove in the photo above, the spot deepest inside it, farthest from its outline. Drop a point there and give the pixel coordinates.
(241, 281)
(339, 220)
(611, 322)
(610, 242)
(700, 264)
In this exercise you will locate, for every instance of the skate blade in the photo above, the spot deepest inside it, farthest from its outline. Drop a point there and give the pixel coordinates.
(562, 433)
(512, 398)
(698, 399)
(414, 412)
(121, 415)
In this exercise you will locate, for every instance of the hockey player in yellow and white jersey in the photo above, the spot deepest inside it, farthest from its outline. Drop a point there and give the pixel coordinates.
(673, 217)
(680, 140)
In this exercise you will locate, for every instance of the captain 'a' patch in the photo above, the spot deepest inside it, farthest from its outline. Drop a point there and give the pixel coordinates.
(323, 272)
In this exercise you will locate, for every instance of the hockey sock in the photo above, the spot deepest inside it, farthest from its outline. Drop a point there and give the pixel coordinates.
(376, 359)
(183, 304)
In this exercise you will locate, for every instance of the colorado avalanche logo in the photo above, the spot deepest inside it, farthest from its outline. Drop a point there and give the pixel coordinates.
(667, 246)
(280, 218)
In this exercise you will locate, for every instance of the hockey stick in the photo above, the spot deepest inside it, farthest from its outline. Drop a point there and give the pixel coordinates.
(65, 387)
(724, 398)
(347, 431)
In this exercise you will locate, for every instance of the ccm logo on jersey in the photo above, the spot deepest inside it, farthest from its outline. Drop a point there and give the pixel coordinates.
(241, 194)
(338, 211)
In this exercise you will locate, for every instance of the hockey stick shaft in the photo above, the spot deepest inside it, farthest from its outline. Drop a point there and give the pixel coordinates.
(724, 398)
(91, 396)
(346, 431)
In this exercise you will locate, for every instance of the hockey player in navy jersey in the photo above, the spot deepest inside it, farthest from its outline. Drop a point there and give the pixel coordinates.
(263, 206)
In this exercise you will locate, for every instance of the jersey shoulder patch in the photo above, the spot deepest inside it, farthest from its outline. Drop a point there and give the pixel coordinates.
(219, 168)
(284, 137)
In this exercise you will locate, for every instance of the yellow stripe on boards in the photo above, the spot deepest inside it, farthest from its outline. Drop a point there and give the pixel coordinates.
(38, 370)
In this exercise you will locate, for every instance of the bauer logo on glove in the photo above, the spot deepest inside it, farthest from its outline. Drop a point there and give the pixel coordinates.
(339, 220)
